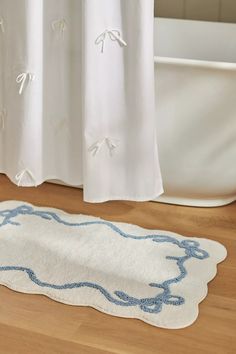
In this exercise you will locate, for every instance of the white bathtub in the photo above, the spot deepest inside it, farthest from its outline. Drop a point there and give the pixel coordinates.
(195, 68)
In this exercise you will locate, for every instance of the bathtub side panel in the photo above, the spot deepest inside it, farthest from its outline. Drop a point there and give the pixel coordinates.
(196, 127)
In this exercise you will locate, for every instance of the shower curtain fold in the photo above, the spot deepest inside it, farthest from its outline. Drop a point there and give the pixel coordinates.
(77, 96)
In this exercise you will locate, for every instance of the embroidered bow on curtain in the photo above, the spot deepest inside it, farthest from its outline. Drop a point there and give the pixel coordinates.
(77, 96)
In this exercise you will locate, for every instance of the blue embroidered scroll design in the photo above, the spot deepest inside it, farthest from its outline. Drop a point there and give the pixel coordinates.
(120, 298)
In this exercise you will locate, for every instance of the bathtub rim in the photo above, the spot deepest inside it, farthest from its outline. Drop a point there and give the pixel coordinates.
(214, 64)
(219, 65)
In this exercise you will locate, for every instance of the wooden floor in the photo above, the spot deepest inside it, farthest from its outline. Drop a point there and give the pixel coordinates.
(33, 324)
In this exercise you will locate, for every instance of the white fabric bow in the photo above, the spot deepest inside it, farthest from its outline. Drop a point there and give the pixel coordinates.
(113, 34)
(22, 79)
(19, 177)
(2, 25)
(3, 114)
(59, 25)
(110, 143)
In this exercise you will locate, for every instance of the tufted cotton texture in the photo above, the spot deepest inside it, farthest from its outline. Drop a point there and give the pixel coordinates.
(121, 269)
(77, 96)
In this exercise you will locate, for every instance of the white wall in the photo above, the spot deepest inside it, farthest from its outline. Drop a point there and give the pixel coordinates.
(209, 10)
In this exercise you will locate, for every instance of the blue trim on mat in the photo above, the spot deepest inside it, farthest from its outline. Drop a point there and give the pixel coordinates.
(120, 298)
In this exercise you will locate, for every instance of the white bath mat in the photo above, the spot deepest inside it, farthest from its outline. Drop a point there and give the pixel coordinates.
(121, 269)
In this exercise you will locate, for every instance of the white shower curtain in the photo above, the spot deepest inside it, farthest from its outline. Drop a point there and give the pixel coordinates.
(77, 96)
